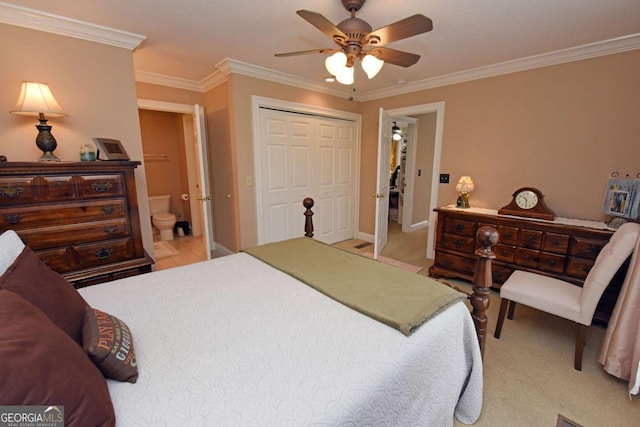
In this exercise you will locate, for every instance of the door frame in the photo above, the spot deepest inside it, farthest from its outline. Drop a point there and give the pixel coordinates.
(259, 101)
(439, 109)
(186, 109)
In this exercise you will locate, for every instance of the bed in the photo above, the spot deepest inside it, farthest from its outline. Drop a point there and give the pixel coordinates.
(236, 341)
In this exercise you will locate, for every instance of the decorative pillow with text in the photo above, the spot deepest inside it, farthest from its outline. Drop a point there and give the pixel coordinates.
(41, 365)
(109, 343)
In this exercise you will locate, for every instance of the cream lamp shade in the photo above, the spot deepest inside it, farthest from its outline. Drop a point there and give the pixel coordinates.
(36, 99)
(465, 185)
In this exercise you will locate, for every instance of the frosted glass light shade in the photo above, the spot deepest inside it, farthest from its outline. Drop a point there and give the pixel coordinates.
(346, 76)
(336, 63)
(371, 65)
(36, 98)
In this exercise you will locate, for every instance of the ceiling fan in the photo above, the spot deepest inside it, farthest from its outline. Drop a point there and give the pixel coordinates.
(355, 39)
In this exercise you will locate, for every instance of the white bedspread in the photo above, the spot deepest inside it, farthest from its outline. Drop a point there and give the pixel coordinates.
(235, 342)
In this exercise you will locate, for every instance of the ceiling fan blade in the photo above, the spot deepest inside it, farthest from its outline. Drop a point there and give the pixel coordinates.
(323, 24)
(304, 52)
(408, 27)
(395, 57)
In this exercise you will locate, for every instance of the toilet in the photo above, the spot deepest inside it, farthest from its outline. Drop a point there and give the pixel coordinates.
(161, 218)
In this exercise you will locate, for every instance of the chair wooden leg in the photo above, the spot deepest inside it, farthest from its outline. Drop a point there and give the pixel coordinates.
(512, 309)
(503, 310)
(580, 340)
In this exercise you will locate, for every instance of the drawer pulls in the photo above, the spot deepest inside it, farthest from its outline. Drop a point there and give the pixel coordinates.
(108, 209)
(10, 191)
(460, 227)
(12, 218)
(101, 187)
(103, 253)
(111, 229)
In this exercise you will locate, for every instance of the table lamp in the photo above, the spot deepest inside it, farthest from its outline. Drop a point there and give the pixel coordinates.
(36, 100)
(464, 187)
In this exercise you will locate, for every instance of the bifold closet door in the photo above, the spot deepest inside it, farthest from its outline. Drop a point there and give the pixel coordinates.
(306, 156)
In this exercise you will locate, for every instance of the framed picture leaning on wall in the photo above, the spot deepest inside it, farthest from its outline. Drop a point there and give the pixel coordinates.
(622, 198)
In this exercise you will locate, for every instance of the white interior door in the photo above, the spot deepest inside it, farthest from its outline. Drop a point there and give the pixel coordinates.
(385, 122)
(193, 175)
(300, 156)
(203, 169)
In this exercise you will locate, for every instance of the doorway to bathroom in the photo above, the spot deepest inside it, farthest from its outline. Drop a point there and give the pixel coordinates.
(174, 168)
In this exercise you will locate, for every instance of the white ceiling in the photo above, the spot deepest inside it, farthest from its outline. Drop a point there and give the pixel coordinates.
(186, 39)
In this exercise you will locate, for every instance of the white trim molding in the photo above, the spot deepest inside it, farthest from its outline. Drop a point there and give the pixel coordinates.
(41, 21)
(171, 107)
(162, 80)
(578, 53)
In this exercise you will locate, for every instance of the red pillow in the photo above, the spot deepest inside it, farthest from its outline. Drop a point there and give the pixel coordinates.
(109, 343)
(34, 281)
(41, 365)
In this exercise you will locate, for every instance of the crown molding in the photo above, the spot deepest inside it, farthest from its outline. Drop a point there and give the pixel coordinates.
(41, 21)
(162, 80)
(592, 50)
(228, 66)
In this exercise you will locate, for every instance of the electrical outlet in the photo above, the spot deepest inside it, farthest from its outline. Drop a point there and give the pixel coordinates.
(444, 178)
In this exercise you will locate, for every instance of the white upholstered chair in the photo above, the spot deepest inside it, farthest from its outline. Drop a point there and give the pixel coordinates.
(564, 299)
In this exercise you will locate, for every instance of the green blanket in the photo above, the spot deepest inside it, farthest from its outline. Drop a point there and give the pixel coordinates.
(393, 296)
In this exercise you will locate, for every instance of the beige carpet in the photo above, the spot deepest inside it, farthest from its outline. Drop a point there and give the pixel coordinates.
(529, 378)
(395, 263)
(164, 249)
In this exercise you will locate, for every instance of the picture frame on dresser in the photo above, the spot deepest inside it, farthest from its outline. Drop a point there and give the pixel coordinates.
(622, 198)
(110, 149)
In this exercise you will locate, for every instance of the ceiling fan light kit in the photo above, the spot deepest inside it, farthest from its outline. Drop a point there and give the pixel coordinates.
(371, 65)
(345, 76)
(353, 35)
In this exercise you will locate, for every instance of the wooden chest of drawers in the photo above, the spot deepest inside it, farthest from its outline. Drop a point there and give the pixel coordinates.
(81, 218)
(564, 249)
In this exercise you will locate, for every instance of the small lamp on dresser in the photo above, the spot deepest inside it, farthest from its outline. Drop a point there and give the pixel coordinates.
(464, 187)
(37, 100)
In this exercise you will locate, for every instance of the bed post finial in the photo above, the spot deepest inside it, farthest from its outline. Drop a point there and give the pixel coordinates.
(487, 236)
(308, 221)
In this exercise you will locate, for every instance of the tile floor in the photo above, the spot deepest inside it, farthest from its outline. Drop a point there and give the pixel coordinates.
(190, 248)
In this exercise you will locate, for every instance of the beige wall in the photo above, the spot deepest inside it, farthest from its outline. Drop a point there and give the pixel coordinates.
(92, 82)
(163, 134)
(562, 129)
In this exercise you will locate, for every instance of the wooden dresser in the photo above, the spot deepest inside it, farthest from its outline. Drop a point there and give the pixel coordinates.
(564, 248)
(80, 217)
